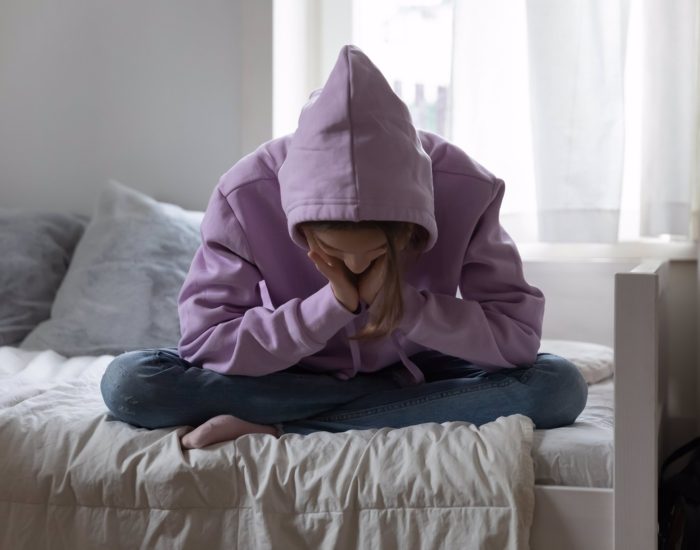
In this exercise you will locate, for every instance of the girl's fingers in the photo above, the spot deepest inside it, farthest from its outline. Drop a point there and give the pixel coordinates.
(321, 265)
(314, 257)
(323, 268)
(317, 257)
(317, 249)
(334, 274)
(323, 257)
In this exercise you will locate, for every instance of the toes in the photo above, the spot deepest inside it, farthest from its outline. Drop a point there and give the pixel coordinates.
(194, 439)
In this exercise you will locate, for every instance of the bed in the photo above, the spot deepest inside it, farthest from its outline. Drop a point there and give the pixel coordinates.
(625, 304)
(73, 477)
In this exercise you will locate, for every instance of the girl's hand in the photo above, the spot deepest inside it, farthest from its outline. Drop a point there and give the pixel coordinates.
(372, 279)
(337, 274)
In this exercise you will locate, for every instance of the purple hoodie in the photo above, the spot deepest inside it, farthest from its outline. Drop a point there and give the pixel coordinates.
(253, 303)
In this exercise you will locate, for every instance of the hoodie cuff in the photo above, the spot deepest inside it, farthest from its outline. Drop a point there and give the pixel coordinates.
(323, 315)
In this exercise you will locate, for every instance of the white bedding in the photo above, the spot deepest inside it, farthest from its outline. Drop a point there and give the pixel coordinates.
(578, 455)
(581, 454)
(71, 476)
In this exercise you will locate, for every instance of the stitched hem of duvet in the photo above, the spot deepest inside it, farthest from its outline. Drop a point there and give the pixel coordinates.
(261, 510)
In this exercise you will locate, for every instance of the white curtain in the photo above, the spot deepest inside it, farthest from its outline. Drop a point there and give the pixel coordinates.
(546, 95)
(670, 144)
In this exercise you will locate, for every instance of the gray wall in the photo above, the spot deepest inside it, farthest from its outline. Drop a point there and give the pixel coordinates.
(161, 95)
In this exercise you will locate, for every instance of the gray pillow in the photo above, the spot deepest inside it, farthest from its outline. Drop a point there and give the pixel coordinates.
(35, 250)
(121, 289)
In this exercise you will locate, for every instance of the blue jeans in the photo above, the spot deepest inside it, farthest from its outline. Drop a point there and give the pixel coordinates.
(155, 388)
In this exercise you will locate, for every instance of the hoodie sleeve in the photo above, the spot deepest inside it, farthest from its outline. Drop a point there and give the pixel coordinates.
(498, 320)
(223, 324)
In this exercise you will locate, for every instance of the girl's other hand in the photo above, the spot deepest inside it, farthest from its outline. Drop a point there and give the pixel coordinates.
(337, 274)
(372, 279)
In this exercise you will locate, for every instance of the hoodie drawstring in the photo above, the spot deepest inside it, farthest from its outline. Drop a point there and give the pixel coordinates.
(417, 376)
(355, 351)
(413, 377)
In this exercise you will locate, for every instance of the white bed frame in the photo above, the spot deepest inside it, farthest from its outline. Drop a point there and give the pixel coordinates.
(618, 302)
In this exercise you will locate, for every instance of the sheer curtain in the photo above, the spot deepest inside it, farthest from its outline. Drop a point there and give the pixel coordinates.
(587, 108)
(671, 112)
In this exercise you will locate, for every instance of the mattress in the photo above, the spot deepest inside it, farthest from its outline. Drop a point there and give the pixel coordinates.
(581, 454)
(576, 455)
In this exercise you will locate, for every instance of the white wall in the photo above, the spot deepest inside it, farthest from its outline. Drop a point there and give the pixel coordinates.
(163, 95)
(308, 36)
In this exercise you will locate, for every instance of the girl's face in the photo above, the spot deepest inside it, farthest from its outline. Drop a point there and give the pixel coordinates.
(358, 248)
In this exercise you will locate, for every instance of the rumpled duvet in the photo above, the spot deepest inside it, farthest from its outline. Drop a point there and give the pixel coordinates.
(73, 477)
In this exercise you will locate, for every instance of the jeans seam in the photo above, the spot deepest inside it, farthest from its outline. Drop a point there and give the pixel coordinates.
(410, 402)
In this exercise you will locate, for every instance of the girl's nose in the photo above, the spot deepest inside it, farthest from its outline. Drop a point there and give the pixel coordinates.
(356, 265)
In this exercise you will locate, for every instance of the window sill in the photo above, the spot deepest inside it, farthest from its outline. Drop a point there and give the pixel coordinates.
(601, 251)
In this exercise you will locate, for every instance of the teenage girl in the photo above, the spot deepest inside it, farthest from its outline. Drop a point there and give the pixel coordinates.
(323, 295)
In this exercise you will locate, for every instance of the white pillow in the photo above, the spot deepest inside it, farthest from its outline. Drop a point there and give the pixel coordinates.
(120, 291)
(596, 362)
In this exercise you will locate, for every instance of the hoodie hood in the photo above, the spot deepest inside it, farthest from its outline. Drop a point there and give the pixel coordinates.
(356, 155)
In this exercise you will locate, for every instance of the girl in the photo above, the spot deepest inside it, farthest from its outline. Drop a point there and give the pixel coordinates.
(323, 295)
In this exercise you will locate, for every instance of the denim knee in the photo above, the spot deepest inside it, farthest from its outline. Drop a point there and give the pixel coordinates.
(561, 392)
(123, 390)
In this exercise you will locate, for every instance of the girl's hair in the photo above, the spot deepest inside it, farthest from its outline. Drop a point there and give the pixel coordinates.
(389, 311)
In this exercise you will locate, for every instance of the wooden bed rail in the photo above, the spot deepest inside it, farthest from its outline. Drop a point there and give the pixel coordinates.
(639, 298)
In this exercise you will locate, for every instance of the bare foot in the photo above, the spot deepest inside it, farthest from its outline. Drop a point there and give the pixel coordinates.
(223, 428)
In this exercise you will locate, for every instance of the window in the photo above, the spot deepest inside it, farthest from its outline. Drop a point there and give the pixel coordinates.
(464, 69)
